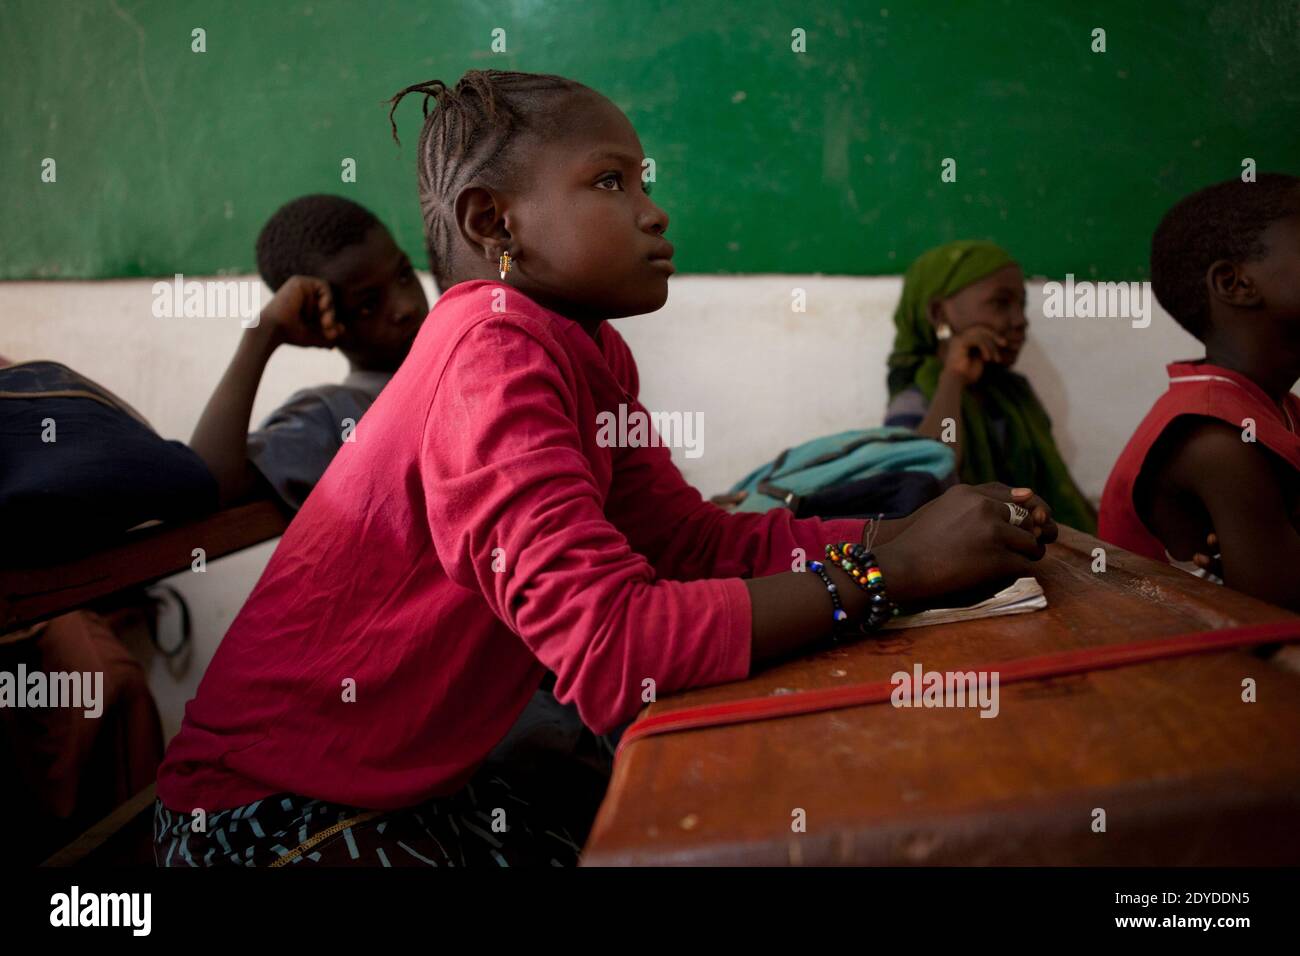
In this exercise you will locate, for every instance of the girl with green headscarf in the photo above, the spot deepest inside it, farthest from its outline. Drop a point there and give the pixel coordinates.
(960, 327)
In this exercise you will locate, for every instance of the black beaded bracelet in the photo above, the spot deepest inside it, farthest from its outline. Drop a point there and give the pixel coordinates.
(840, 616)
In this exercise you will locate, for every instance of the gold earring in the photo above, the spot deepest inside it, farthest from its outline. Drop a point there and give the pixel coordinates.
(504, 263)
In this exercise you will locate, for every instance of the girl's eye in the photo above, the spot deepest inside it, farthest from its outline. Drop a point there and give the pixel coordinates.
(614, 178)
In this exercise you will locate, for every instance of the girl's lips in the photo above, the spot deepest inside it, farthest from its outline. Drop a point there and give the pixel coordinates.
(662, 257)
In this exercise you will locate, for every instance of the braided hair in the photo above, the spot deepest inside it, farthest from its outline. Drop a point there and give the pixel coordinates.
(472, 136)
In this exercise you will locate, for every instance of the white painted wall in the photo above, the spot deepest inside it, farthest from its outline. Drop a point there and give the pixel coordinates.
(730, 347)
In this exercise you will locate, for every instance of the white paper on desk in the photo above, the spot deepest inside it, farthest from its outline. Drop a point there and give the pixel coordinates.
(1025, 595)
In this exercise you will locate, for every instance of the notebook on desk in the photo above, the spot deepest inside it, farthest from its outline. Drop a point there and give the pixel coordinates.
(1020, 597)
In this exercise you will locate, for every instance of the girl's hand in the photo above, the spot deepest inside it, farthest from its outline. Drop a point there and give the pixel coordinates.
(960, 540)
(1039, 521)
(970, 350)
(1040, 513)
(302, 313)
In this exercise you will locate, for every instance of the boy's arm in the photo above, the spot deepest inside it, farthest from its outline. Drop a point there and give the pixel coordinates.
(301, 313)
(221, 436)
(1240, 485)
(294, 447)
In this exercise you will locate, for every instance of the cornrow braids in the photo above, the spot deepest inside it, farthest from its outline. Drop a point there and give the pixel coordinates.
(470, 136)
(1223, 221)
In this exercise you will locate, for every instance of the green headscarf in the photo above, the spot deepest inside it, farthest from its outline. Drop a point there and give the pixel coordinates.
(1030, 457)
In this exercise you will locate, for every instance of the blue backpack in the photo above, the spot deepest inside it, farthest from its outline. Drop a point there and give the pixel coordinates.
(854, 462)
(78, 467)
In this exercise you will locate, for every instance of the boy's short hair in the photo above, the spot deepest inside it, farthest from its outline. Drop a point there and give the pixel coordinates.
(303, 233)
(1223, 221)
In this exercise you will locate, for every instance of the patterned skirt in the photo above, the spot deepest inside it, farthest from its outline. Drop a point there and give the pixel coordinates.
(489, 822)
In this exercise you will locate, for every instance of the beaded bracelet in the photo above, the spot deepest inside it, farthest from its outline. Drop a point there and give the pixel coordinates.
(860, 564)
(840, 615)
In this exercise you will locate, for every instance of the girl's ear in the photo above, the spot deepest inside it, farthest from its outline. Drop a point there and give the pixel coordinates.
(936, 313)
(480, 220)
(1228, 282)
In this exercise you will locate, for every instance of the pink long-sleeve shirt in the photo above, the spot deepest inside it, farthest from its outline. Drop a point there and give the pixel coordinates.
(474, 535)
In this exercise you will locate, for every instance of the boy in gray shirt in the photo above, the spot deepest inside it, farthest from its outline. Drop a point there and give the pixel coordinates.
(340, 281)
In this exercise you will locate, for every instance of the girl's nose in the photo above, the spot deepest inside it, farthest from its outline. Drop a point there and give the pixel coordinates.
(654, 220)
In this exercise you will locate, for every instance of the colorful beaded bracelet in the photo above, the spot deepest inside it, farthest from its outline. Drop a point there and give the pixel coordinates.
(860, 564)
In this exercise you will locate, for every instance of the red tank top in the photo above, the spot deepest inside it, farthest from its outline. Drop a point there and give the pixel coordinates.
(1195, 388)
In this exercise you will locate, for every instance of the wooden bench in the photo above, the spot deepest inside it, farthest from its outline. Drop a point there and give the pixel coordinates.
(1185, 771)
(123, 838)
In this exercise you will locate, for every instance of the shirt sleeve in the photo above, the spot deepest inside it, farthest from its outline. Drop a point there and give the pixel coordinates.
(515, 514)
(295, 444)
(907, 409)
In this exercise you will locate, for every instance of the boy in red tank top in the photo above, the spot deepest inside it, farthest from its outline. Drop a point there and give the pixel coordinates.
(1219, 453)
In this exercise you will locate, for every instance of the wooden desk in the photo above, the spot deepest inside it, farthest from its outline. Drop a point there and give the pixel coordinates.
(1186, 772)
(28, 595)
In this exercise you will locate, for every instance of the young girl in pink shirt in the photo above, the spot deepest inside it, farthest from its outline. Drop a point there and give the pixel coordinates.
(480, 534)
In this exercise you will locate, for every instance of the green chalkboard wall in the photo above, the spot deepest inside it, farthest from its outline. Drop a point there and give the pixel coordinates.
(768, 160)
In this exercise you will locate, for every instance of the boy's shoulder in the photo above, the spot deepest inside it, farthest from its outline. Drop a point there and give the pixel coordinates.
(331, 400)
(1213, 424)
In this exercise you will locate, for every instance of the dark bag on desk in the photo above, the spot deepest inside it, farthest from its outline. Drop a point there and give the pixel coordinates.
(78, 466)
(891, 495)
(854, 474)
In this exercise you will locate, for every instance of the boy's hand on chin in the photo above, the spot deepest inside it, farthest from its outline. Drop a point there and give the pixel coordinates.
(302, 314)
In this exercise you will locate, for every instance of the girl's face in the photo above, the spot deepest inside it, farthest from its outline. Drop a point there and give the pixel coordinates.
(587, 241)
(998, 302)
